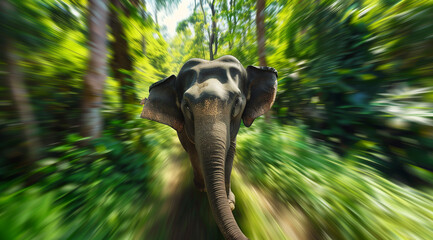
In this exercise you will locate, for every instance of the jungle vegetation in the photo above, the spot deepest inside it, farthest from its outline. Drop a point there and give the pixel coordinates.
(345, 153)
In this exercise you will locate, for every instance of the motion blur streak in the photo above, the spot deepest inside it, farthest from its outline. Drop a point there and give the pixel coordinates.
(346, 152)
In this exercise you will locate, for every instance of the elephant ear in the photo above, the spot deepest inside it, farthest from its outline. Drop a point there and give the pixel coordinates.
(161, 105)
(262, 85)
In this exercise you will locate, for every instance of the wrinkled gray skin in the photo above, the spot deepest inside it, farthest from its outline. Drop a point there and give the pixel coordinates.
(205, 104)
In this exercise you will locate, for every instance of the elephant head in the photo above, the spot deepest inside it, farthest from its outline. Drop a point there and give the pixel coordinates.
(205, 104)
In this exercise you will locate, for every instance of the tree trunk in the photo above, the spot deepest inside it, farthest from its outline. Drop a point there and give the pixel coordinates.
(143, 37)
(261, 40)
(214, 38)
(210, 51)
(121, 60)
(20, 98)
(21, 102)
(207, 29)
(232, 23)
(91, 120)
(260, 23)
(156, 18)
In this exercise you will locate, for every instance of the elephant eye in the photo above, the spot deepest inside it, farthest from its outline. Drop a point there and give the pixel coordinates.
(236, 107)
(187, 111)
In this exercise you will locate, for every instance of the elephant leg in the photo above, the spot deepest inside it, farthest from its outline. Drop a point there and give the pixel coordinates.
(228, 171)
(198, 175)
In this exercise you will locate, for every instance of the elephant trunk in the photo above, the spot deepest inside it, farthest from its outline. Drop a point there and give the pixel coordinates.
(212, 145)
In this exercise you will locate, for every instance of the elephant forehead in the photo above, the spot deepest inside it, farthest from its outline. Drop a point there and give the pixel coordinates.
(222, 71)
(211, 89)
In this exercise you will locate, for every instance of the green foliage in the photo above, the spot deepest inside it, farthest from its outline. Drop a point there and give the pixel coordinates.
(235, 29)
(100, 191)
(29, 214)
(53, 63)
(341, 198)
(341, 59)
(189, 42)
(26, 23)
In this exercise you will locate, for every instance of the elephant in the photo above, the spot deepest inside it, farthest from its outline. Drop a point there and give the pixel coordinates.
(205, 104)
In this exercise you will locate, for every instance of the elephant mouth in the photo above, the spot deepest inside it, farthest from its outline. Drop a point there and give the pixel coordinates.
(190, 134)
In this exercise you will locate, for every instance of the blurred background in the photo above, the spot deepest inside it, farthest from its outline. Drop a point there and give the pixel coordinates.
(345, 153)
